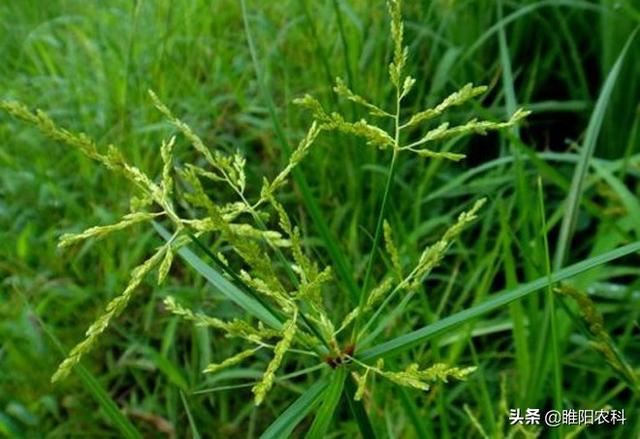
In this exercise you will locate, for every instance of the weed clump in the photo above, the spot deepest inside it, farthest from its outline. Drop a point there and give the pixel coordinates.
(268, 261)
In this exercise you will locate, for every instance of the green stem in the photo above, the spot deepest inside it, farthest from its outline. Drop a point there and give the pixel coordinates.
(378, 233)
(381, 214)
(553, 323)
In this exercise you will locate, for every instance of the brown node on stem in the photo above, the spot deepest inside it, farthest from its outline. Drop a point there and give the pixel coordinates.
(338, 360)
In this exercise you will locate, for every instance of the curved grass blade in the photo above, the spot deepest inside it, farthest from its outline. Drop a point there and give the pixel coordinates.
(287, 421)
(419, 336)
(194, 428)
(556, 363)
(525, 10)
(111, 409)
(167, 368)
(222, 284)
(588, 147)
(627, 197)
(107, 404)
(326, 411)
(358, 411)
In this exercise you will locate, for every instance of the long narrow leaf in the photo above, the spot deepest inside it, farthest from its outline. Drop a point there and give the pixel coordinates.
(287, 421)
(97, 391)
(588, 147)
(419, 336)
(222, 284)
(107, 404)
(358, 411)
(326, 411)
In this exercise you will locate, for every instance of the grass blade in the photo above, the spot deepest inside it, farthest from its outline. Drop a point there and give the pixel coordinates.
(345, 46)
(107, 404)
(589, 145)
(111, 409)
(521, 12)
(326, 412)
(419, 336)
(167, 368)
(287, 421)
(553, 320)
(194, 428)
(229, 290)
(627, 198)
(358, 411)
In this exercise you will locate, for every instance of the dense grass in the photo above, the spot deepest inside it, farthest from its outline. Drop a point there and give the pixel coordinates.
(90, 66)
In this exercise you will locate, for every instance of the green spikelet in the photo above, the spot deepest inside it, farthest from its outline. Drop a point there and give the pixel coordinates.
(113, 160)
(261, 389)
(392, 250)
(397, 33)
(165, 266)
(374, 135)
(444, 132)
(41, 121)
(350, 318)
(312, 290)
(114, 309)
(234, 328)
(199, 319)
(459, 97)
(433, 254)
(361, 381)
(231, 361)
(602, 342)
(128, 220)
(185, 129)
(268, 289)
(439, 155)
(378, 293)
(268, 189)
(464, 219)
(429, 259)
(342, 90)
(413, 376)
(377, 136)
(229, 169)
(166, 150)
(307, 269)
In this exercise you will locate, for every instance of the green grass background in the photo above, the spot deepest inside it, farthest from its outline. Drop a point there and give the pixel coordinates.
(89, 65)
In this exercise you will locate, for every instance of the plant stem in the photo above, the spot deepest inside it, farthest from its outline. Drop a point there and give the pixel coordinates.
(381, 214)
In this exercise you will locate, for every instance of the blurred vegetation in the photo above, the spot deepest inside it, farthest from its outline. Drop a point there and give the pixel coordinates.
(90, 64)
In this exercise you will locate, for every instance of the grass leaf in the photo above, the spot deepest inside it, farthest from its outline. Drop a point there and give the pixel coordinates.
(229, 290)
(107, 404)
(97, 391)
(588, 147)
(287, 421)
(326, 411)
(419, 336)
(358, 411)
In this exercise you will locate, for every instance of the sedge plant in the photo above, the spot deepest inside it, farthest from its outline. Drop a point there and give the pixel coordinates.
(261, 261)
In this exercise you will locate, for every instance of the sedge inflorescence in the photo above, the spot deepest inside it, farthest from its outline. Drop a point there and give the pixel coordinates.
(265, 250)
